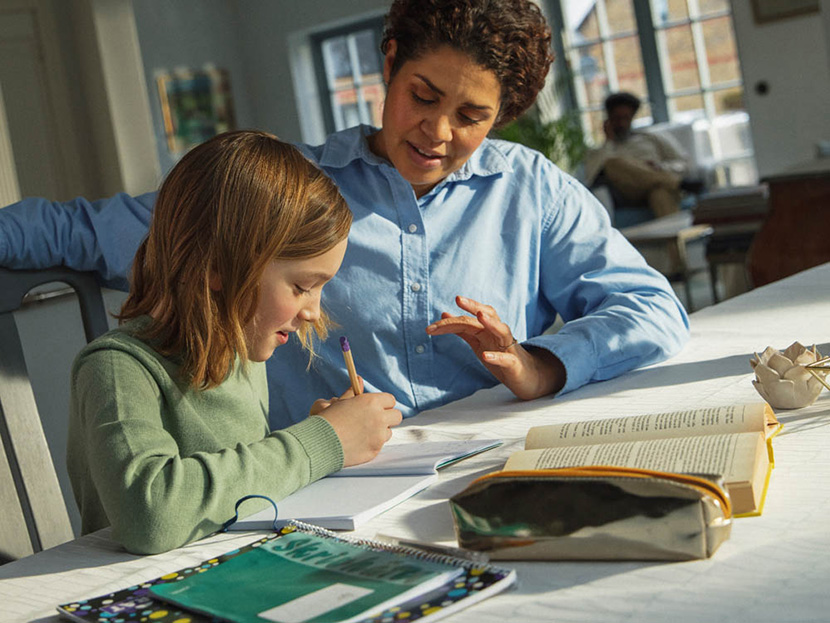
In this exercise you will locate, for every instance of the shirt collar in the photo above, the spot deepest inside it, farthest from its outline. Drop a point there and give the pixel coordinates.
(343, 148)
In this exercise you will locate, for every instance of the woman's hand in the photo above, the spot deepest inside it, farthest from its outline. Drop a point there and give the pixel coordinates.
(528, 373)
(363, 423)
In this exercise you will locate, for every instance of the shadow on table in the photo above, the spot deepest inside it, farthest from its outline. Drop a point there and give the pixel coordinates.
(807, 418)
(672, 374)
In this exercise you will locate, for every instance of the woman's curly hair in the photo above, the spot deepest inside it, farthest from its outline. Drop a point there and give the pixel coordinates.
(509, 37)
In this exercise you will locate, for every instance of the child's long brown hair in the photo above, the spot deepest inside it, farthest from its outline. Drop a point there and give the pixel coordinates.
(231, 205)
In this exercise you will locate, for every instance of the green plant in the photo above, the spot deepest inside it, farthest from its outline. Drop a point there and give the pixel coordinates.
(561, 140)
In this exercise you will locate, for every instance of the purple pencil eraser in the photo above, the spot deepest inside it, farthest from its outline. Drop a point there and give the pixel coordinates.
(344, 344)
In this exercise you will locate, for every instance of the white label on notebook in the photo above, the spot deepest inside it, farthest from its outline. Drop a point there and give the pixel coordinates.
(314, 604)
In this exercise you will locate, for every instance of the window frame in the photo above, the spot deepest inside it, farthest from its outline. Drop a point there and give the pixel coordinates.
(375, 24)
(654, 66)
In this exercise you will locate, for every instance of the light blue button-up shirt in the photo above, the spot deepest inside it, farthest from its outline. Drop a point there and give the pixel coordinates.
(508, 229)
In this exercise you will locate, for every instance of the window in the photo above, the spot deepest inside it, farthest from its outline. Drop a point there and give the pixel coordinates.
(602, 45)
(349, 68)
(678, 56)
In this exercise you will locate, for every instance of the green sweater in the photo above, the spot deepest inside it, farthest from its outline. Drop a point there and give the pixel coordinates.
(164, 464)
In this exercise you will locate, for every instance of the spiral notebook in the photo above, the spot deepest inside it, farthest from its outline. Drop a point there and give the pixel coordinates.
(305, 574)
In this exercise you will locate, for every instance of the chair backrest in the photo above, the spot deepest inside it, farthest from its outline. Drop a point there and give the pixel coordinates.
(33, 514)
(693, 138)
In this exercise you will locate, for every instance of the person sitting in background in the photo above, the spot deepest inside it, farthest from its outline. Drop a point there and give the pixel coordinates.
(640, 167)
(168, 417)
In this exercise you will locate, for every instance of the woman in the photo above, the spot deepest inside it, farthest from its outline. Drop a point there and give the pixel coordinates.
(443, 216)
(169, 412)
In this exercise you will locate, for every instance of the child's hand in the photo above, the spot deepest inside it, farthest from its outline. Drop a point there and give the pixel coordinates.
(322, 404)
(363, 424)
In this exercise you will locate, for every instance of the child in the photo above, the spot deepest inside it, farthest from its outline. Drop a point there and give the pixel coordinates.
(169, 412)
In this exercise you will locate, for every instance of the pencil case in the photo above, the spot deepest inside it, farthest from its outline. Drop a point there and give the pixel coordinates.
(593, 513)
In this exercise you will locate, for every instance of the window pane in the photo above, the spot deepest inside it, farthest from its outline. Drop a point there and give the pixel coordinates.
(643, 117)
(721, 52)
(668, 10)
(630, 74)
(591, 71)
(368, 53)
(686, 108)
(683, 73)
(620, 16)
(593, 120)
(582, 20)
(352, 65)
(336, 59)
(712, 6)
(346, 113)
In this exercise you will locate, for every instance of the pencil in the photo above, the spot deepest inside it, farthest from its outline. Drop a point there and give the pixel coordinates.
(347, 355)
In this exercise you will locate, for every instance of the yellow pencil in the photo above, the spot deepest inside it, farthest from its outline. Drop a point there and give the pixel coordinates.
(347, 356)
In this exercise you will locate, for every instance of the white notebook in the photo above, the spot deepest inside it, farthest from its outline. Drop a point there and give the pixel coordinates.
(348, 498)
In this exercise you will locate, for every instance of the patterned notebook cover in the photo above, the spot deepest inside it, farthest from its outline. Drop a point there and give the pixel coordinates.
(135, 604)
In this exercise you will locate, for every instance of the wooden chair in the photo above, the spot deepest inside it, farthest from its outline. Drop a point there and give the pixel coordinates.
(33, 516)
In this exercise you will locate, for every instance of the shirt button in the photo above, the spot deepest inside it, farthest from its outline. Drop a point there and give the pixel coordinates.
(415, 287)
(412, 228)
(420, 349)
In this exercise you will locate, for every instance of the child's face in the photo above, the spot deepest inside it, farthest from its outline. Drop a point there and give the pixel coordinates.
(289, 295)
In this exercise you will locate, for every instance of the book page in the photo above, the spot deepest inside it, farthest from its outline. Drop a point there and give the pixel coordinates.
(694, 422)
(732, 456)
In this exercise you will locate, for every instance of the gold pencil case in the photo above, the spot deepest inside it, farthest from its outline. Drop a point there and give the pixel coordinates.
(593, 513)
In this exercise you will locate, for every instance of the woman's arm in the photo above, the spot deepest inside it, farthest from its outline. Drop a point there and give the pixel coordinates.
(100, 236)
(619, 313)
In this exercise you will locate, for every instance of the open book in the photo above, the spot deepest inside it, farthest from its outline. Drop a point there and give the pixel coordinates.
(732, 442)
(348, 498)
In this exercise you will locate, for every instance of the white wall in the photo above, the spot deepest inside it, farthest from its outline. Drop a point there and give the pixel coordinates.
(791, 56)
(250, 38)
(268, 26)
(825, 16)
(191, 34)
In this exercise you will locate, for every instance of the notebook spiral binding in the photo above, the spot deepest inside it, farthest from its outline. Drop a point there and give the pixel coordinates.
(422, 551)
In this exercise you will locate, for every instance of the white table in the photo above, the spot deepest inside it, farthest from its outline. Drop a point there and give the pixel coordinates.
(774, 568)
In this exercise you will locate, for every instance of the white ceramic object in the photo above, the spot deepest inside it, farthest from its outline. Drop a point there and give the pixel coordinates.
(781, 378)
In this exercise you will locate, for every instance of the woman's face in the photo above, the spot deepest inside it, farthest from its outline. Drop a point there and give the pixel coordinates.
(438, 110)
(289, 295)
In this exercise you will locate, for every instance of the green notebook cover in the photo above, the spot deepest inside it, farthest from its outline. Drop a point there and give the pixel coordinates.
(136, 604)
(306, 577)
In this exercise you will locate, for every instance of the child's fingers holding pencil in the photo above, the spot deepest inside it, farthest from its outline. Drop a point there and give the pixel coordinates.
(321, 404)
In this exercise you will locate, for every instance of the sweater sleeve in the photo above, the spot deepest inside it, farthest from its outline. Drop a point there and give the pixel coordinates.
(156, 494)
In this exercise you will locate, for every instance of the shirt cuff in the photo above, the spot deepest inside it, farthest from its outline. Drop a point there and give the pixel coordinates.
(321, 443)
(575, 354)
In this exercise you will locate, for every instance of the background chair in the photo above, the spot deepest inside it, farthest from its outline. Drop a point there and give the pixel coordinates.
(33, 515)
(693, 138)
